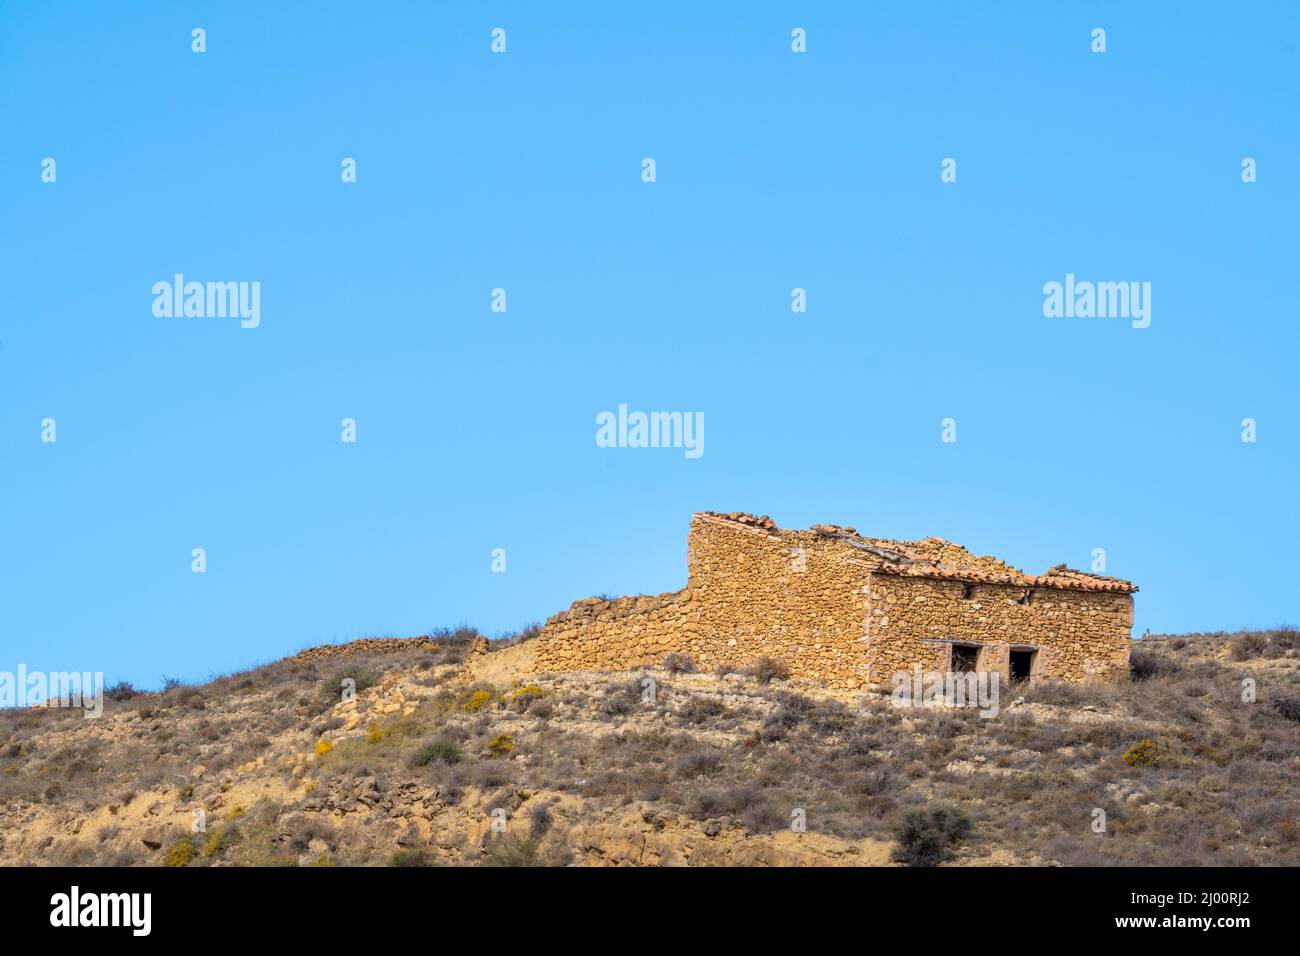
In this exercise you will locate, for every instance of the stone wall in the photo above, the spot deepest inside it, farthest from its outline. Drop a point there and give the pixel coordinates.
(364, 645)
(819, 601)
(751, 593)
(794, 595)
(1079, 635)
(595, 634)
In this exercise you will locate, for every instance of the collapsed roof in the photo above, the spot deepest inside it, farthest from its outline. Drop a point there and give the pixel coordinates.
(934, 557)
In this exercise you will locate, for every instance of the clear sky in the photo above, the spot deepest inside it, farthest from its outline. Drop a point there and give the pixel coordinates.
(523, 171)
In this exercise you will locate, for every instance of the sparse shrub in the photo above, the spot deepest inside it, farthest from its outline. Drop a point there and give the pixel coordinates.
(724, 668)
(323, 747)
(1248, 645)
(539, 821)
(507, 850)
(732, 801)
(925, 837)
(699, 709)
(415, 857)
(221, 840)
(621, 698)
(676, 662)
(698, 761)
(308, 828)
(767, 669)
(527, 633)
(121, 691)
(477, 701)
(1146, 664)
(190, 697)
(460, 634)
(1145, 753)
(128, 856)
(826, 718)
(1288, 707)
(773, 731)
(524, 697)
(330, 691)
(1058, 693)
(1284, 638)
(1212, 783)
(453, 643)
(376, 734)
(500, 745)
(181, 852)
(873, 783)
(438, 751)
(764, 817)
(706, 803)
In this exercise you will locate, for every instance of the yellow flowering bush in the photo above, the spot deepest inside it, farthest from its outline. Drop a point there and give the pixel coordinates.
(1145, 753)
(180, 853)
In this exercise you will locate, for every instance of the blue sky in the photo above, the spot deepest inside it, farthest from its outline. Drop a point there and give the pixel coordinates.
(522, 171)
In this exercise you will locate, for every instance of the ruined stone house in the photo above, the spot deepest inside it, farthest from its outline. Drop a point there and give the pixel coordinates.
(852, 611)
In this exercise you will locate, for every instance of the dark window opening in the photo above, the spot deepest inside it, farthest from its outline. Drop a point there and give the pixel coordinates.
(967, 592)
(965, 658)
(1022, 664)
(1026, 597)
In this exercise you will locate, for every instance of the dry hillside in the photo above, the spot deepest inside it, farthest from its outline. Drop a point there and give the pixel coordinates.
(444, 738)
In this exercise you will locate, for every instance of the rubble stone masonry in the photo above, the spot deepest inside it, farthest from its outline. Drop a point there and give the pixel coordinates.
(850, 611)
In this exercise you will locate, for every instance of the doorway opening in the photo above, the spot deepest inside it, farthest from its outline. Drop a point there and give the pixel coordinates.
(1022, 663)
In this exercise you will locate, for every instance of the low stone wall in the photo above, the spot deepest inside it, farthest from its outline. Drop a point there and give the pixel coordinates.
(364, 645)
(594, 634)
(751, 593)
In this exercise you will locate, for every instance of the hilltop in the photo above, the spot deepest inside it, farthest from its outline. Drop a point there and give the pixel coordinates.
(449, 733)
